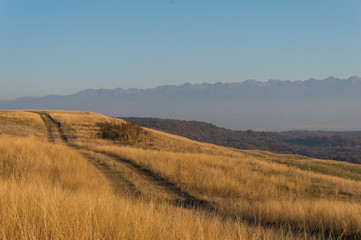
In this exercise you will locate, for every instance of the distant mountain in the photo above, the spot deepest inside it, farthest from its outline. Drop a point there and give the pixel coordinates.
(329, 104)
(342, 146)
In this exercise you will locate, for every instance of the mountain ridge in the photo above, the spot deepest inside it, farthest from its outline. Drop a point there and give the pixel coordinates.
(197, 86)
(328, 104)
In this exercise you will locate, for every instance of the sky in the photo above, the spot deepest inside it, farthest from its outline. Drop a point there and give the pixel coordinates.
(65, 46)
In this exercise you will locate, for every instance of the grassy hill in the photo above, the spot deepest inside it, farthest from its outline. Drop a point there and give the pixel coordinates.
(342, 146)
(78, 183)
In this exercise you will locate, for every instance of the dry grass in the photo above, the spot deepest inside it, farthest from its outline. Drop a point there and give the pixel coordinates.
(49, 191)
(258, 189)
(21, 123)
(81, 126)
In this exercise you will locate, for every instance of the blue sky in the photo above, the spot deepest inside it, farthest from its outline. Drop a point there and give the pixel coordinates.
(64, 46)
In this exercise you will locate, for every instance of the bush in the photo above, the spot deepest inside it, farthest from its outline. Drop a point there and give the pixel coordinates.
(126, 133)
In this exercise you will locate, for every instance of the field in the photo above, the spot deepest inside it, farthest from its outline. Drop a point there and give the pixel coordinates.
(71, 183)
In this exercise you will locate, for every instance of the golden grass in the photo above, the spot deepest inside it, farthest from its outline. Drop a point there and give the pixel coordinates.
(21, 123)
(52, 192)
(260, 190)
(80, 126)
(48, 191)
(30, 160)
(320, 215)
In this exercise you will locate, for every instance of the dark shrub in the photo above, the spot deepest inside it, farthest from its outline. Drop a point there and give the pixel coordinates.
(127, 133)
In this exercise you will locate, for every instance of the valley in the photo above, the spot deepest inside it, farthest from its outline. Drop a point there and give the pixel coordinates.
(336, 145)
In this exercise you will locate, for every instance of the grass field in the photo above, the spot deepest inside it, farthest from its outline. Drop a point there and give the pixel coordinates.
(71, 184)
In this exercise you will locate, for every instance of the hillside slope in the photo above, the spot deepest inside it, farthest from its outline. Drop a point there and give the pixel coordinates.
(167, 188)
(342, 146)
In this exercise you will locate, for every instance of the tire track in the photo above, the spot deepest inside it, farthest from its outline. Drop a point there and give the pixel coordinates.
(51, 125)
(48, 128)
(175, 194)
(179, 199)
(120, 184)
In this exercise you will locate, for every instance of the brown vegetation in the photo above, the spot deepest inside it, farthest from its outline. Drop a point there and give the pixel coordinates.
(125, 133)
(49, 191)
(342, 146)
(21, 123)
(99, 189)
(260, 190)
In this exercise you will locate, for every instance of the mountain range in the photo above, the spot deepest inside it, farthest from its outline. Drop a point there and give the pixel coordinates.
(328, 104)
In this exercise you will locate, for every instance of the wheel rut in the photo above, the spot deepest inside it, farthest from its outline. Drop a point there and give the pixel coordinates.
(121, 185)
(170, 191)
(180, 198)
(173, 194)
(50, 132)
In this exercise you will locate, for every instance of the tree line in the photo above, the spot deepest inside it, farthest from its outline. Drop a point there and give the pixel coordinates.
(342, 146)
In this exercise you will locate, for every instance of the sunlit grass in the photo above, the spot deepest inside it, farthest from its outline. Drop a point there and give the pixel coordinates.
(21, 123)
(258, 189)
(51, 191)
(48, 191)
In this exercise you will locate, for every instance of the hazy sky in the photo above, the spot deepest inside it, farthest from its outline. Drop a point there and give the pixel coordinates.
(64, 46)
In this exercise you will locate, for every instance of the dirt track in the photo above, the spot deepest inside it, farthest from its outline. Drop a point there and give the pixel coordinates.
(125, 176)
(131, 180)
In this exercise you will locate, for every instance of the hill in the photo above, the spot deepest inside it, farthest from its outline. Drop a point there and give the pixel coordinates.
(342, 146)
(328, 104)
(78, 182)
